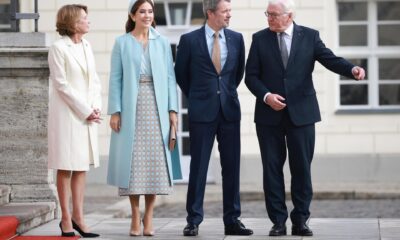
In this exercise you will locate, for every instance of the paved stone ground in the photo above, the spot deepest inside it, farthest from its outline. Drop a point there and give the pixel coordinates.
(99, 197)
(375, 208)
(107, 214)
(212, 229)
(384, 208)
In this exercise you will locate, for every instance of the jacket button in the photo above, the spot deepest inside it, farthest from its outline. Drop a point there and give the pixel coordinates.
(218, 92)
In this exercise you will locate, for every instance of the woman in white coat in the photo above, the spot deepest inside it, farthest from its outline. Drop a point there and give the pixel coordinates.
(74, 112)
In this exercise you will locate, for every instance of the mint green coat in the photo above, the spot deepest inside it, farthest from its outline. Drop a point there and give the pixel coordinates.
(123, 92)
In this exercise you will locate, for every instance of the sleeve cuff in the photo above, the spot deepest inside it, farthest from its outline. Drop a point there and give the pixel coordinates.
(265, 96)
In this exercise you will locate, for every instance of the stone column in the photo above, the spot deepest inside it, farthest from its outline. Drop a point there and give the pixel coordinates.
(23, 124)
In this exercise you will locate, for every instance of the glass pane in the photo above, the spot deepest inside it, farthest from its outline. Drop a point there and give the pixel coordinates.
(358, 62)
(389, 35)
(4, 8)
(185, 146)
(184, 103)
(389, 69)
(197, 17)
(352, 11)
(389, 94)
(173, 49)
(185, 123)
(5, 23)
(159, 11)
(178, 13)
(353, 95)
(355, 35)
(389, 10)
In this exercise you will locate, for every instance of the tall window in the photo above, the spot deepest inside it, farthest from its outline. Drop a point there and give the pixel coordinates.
(174, 18)
(178, 13)
(369, 35)
(5, 23)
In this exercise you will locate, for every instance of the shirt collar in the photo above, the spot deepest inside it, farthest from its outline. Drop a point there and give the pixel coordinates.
(210, 32)
(289, 30)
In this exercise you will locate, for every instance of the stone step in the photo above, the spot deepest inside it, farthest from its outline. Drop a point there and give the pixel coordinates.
(29, 215)
(22, 40)
(4, 194)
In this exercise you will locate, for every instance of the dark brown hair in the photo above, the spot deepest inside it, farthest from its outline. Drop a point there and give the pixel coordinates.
(67, 17)
(130, 24)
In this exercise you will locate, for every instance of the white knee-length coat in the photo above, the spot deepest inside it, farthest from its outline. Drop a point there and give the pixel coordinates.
(74, 91)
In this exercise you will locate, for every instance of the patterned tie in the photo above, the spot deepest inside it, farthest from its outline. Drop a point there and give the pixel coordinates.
(284, 51)
(216, 53)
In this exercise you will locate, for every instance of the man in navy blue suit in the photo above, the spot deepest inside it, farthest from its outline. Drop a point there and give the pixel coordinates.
(209, 67)
(279, 73)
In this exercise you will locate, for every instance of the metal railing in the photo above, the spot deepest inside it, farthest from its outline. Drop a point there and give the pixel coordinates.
(14, 16)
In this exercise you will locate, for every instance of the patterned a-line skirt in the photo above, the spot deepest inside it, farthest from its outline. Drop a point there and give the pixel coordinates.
(149, 172)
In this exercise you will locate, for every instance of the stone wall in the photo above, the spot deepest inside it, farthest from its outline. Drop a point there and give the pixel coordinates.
(23, 124)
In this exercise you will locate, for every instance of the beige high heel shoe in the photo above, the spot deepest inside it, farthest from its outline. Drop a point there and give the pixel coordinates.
(135, 233)
(149, 233)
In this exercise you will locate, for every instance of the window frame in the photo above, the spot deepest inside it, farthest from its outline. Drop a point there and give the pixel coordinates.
(372, 52)
(6, 27)
(173, 33)
(187, 21)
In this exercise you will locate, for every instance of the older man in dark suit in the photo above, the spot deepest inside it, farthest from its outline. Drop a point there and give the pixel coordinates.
(279, 73)
(209, 67)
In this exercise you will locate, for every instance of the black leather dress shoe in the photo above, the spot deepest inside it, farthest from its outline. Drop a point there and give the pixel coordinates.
(191, 230)
(278, 230)
(301, 230)
(237, 228)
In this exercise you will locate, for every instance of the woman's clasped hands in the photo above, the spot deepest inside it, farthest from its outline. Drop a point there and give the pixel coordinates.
(95, 116)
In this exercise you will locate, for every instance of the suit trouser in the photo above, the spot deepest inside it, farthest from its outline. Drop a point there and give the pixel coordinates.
(299, 142)
(202, 137)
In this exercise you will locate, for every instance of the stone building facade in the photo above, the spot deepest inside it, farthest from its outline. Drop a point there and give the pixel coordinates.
(359, 137)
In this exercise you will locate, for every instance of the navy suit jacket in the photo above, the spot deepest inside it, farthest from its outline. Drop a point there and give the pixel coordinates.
(265, 73)
(206, 91)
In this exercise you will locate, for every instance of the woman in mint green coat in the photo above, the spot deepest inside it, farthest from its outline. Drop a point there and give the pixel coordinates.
(143, 106)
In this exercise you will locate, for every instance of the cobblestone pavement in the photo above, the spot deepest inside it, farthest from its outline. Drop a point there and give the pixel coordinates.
(100, 196)
(387, 208)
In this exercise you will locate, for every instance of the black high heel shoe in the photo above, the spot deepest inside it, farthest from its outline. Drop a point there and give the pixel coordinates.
(66, 234)
(82, 233)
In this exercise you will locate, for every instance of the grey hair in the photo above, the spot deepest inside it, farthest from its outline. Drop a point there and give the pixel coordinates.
(288, 5)
(211, 5)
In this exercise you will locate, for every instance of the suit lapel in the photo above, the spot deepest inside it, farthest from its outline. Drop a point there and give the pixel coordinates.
(89, 59)
(273, 42)
(228, 39)
(296, 40)
(203, 44)
(82, 63)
